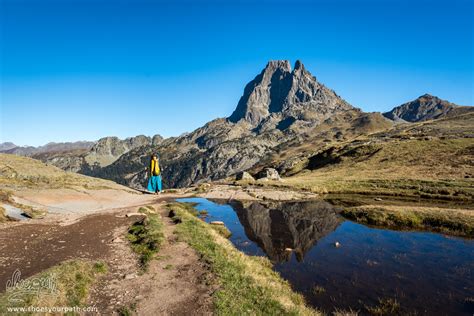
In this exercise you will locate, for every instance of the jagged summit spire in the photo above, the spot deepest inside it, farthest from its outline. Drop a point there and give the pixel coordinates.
(280, 91)
(299, 65)
(281, 64)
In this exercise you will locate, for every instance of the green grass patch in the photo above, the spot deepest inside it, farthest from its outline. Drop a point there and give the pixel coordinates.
(317, 290)
(66, 284)
(222, 230)
(449, 221)
(146, 236)
(247, 284)
(386, 306)
(128, 310)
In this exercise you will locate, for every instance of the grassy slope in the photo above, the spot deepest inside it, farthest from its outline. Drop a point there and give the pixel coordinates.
(72, 280)
(22, 172)
(349, 125)
(248, 285)
(429, 159)
(413, 167)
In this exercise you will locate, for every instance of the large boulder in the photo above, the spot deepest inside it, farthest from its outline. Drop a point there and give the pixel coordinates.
(268, 174)
(244, 175)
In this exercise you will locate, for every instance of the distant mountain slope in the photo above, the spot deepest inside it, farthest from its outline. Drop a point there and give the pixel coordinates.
(426, 107)
(50, 147)
(7, 146)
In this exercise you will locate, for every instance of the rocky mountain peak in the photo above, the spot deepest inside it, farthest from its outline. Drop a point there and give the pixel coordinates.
(299, 65)
(273, 65)
(113, 146)
(278, 93)
(425, 107)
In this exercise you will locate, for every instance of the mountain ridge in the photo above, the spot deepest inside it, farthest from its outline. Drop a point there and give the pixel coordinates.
(264, 118)
(280, 108)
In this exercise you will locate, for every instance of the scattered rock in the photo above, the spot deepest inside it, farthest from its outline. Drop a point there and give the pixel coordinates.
(117, 240)
(217, 223)
(377, 199)
(244, 175)
(288, 249)
(134, 214)
(269, 174)
(129, 276)
(337, 244)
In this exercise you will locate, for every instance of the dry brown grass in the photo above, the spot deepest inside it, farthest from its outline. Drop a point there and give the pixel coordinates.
(431, 169)
(433, 159)
(22, 172)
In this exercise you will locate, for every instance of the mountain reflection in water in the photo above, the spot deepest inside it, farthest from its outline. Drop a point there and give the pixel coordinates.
(412, 268)
(277, 226)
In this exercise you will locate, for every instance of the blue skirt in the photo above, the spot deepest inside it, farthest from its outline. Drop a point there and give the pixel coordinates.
(154, 184)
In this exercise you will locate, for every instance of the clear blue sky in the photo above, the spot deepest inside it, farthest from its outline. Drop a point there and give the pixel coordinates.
(83, 69)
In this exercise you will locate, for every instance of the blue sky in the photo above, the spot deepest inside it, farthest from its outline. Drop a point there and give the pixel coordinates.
(83, 69)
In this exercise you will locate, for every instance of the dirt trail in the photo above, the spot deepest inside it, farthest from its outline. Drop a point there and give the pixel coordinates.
(32, 248)
(176, 283)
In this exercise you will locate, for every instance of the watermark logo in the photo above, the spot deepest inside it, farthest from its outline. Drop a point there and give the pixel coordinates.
(18, 289)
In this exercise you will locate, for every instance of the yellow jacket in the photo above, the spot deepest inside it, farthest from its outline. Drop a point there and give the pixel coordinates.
(154, 167)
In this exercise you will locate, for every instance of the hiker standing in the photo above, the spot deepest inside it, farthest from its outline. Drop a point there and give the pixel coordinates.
(154, 181)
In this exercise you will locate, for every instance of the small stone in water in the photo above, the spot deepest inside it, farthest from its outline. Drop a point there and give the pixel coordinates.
(217, 223)
(337, 244)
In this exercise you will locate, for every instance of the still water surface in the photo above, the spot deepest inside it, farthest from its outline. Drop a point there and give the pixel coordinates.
(427, 273)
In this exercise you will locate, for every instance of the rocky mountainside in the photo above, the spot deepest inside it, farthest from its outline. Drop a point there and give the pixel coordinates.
(425, 107)
(108, 149)
(278, 97)
(83, 157)
(280, 105)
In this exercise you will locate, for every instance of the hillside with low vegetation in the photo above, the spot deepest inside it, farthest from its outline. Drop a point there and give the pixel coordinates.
(22, 172)
(429, 159)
